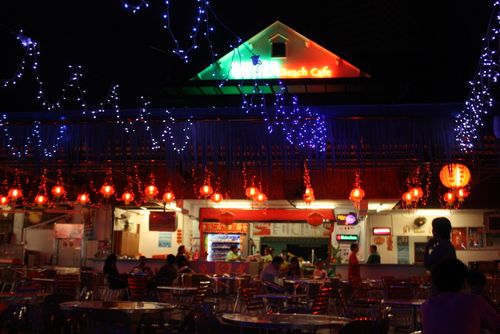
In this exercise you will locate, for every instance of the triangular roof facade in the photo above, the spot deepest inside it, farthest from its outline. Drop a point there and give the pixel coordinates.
(297, 58)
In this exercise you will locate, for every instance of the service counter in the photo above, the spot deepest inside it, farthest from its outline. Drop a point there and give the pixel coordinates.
(384, 270)
(205, 267)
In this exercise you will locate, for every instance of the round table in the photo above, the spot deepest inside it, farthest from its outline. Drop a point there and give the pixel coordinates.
(126, 306)
(179, 289)
(285, 321)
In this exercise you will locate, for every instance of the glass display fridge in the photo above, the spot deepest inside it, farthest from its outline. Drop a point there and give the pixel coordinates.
(218, 245)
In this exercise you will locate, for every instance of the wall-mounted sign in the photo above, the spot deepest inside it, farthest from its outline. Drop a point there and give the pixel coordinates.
(347, 219)
(347, 237)
(241, 228)
(381, 231)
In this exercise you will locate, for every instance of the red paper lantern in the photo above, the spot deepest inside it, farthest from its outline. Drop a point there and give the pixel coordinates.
(107, 190)
(407, 197)
(251, 192)
(15, 193)
(261, 197)
(462, 193)
(58, 191)
(454, 175)
(40, 199)
(449, 197)
(308, 195)
(83, 198)
(151, 191)
(128, 197)
(4, 200)
(216, 197)
(356, 194)
(168, 197)
(416, 193)
(206, 190)
(227, 218)
(315, 219)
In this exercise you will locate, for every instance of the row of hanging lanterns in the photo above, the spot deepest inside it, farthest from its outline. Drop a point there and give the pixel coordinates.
(456, 178)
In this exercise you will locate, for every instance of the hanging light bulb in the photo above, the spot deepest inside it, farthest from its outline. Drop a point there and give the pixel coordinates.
(40, 199)
(83, 198)
(308, 195)
(416, 193)
(168, 197)
(128, 197)
(206, 190)
(58, 191)
(449, 198)
(407, 198)
(4, 200)
(107, 190)
(216, 197)
(251, 191)
(462, 193)
(261, 197)
(15, 193)
(356, 194)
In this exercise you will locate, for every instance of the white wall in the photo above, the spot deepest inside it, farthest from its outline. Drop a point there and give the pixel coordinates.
(401, 222)
(41, 241)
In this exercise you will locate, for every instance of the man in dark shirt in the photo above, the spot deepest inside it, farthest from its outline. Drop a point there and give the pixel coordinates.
(374, 257)
(167, 273)
(440, 247)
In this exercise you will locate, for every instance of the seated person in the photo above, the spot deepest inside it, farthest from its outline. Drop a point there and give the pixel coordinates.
(110, 271)
(477, 286)
(268, 255)
(167, 273)
(320, 272)
(183, 266)
(453, 310)
(233, 255)
(141, 268)
(272, 270)
(294, 270)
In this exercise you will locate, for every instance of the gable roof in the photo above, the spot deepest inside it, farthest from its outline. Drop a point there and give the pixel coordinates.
(304, 59)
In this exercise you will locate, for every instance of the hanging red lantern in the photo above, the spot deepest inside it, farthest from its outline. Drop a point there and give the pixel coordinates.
(462, 193)
(15, 193)
(168, 197)
(226, 218)
(58, 191)
(315, 219)
(308, 195)
(356, 194)
(216, 197)
(4, 200)
(107, 190)
(128, 197)
(454, 175)
(407, 198)
(449, 198)
(83, 198)
(206, 190)
(416, 193)
(40, 199)
(261, 197)
(151, 191)
(251, 191)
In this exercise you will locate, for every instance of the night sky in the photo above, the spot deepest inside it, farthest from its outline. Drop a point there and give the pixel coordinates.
(429, 48)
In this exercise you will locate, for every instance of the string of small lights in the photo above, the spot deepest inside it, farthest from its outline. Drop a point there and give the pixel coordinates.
(169, 133)
(480, 101)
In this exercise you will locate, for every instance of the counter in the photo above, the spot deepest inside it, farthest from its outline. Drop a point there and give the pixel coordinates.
(206, 267)
(384, 270)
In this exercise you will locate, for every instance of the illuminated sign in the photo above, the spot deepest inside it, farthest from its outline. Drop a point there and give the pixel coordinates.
(274, 69)
(381, 231)
(347, 237)
(222, 228)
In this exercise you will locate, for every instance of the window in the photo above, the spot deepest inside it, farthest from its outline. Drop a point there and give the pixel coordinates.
(278, 49)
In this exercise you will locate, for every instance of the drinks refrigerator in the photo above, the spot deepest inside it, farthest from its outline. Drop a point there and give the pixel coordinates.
(218, 245)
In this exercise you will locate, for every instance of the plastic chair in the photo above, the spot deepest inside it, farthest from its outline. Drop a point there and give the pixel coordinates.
(138, 288)
(68, 284)
(250, 303)
(322, 301)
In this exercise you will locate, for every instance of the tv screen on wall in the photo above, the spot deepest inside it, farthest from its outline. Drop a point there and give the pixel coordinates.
(162, 221)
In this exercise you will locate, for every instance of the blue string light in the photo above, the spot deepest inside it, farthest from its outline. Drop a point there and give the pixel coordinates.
(169, 133)
(480, 101)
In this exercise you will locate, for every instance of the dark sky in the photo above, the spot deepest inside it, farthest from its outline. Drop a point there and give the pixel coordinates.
(429, 48)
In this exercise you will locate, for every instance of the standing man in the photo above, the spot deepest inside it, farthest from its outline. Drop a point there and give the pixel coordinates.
(374, 257)
(354, 276)
(439, 247)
